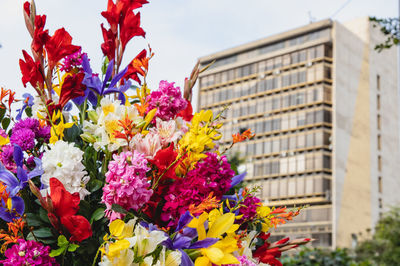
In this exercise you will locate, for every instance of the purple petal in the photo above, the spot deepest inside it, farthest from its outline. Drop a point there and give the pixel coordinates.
(38, 170)
(168, 243)
(184, 220)
(21, 174)
(205, 243)
(190, 232)
(185, 259)
(182, 242)
(10, 181)
(86, 65)
(18, 155)
(18, 204)
(237, 179)
(117, 77)
(107, 76)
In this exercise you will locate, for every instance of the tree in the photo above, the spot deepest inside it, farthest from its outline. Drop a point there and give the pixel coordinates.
(390, 27)
(384, 247)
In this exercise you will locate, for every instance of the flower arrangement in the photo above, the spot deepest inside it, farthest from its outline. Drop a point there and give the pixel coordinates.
(97, 169)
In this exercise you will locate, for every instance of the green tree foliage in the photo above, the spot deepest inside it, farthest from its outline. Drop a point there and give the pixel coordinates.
(390, 27)
(321, 257)
(384, 247)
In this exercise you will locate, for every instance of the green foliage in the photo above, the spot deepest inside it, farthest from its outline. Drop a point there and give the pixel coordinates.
(321, 257)
(390, 27)
(384, 247)
(235, 160)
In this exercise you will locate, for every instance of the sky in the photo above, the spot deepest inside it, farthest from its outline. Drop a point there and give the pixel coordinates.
(179, 31)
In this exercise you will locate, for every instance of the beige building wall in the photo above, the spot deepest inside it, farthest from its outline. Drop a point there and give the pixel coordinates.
(365, 150)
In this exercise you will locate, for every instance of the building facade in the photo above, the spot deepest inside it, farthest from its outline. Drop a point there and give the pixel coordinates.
(324, 106)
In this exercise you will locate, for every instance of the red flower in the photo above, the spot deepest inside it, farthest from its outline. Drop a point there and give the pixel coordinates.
(108, 47)
(30, 71)
(40, 36)
(135, 67)
(78, 226)
(112, 15)
(164, 159)
(72, 88)
(187, 114)
(65, 206)
(130, 28)
(27, 8)
(59, 46)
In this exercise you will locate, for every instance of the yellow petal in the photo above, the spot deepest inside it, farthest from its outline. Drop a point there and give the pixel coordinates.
(4, 141)
(115, 248)
(221, 225)
(202, 261)
(150, 115)
(116, 227)
(229, 259)
(214, 254)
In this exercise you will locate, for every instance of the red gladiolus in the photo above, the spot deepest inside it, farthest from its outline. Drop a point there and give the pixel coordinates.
(78, 226)
(72, 88)
(112, 15)
(30, 71)
(108, 47)
(40, 36)
(130, 28)
(135, 67)
(65, 206)
(131, 4)
(164, 159)
(187, 114)
(27, 8)
(59, 46)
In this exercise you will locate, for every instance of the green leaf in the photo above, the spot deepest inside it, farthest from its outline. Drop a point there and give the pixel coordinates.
(118, 208)
(28, 111)
(2, 113)
(72, 247)
(72, 134)
(97, 215)
(33, 219)
(105, 64)
(30, 236)
(95, 185)
(43, 232)
(62, 241)
(57, 252)
(43, 215)
(5, 123)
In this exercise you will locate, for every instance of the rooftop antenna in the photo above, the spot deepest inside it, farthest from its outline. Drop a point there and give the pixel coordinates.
(310, 17)
(340, 9)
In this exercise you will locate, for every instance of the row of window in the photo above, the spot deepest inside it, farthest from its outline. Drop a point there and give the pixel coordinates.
(300, 186)
(263, 66)
(285, 143)
(272, 47)
(307, 161)
(288, 121)
(248, 88)
(276, 102)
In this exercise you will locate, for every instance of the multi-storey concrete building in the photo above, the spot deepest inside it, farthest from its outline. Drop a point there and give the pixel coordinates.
(324, 106)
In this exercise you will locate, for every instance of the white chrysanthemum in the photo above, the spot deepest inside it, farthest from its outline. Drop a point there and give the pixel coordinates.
(109, 114)
(64, 162)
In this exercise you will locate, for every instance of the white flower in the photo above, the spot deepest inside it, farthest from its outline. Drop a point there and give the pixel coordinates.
(149, 145)
(167, 131)
(147, 242)
(38, 108)
(64, 162)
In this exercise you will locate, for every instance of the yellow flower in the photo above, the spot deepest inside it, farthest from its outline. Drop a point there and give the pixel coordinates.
(57, 130)
(219, 224)
(263, 213)
(4, 141)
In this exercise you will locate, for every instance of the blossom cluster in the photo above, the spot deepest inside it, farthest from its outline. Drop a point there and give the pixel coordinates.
(96, 168)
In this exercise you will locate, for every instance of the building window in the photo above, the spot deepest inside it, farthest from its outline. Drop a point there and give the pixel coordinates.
(379, 163)
(378, 82)
(378, 122)
(380, 203)
(380, 184)
(378, 102)
(379, 142)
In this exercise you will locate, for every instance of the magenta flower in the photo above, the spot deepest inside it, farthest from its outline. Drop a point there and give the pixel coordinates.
(28, 253)
(24, 137)
(168, 101)
(127, 183)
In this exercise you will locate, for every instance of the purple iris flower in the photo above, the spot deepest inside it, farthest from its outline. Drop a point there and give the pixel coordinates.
(16, 183)
(97, 87)
(183, 237)
(237, 179)
(28, 101)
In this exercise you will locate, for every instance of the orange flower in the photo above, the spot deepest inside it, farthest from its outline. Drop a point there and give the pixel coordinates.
(207, 204)
(12, 235)
(241, 137)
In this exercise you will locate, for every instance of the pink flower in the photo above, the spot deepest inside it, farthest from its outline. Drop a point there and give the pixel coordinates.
(167, 131)
(149, 145)
(127, 183)
(168, 101)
